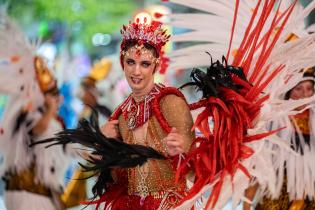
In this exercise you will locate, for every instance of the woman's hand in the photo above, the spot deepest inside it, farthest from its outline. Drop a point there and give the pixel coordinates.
(52, 104)
(175, 143)
(110, 129)
(87, 155)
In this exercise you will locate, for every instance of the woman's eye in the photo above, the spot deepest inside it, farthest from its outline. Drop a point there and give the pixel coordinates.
(130, 62)
(146, 65)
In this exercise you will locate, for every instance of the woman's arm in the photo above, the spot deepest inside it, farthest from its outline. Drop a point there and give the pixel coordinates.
(250, 193)
(51, 103)
(177, 114)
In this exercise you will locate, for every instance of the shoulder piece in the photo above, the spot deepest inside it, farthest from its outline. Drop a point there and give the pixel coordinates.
(157, 103)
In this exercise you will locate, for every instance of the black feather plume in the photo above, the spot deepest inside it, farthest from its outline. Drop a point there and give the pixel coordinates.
(114, 153)
(218, 74)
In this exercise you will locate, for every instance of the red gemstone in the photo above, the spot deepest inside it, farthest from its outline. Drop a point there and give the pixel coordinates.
(158, 15)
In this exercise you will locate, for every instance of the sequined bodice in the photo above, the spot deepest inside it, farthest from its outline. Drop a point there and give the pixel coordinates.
(156, 177)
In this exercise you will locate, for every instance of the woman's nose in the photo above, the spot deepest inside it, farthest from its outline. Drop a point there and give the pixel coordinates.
(305, 93)
(137, 70)
(308, 93)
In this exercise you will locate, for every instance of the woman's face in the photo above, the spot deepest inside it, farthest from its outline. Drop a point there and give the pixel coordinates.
(302, 90)
(139, 67)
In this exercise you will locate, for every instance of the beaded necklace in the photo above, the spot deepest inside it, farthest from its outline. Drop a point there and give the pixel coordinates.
(138, 112)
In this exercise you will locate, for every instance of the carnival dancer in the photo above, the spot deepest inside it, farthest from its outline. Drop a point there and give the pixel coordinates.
(34, 176)
(296, 171)
(154, 118)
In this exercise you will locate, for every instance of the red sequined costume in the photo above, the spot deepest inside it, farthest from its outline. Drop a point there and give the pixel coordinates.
(147, 122)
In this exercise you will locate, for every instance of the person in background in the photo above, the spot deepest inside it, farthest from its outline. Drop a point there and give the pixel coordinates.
(90, 94)
(40, 184)
(297, 173)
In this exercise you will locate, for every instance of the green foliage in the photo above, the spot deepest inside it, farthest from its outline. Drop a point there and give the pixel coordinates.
(82, 18)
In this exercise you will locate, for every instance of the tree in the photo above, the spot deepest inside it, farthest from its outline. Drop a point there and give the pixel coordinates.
(80, 19)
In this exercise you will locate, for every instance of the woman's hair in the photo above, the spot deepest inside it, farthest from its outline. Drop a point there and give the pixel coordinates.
(88, 82)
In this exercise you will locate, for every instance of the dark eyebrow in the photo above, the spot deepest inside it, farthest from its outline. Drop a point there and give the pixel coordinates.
(146, 62)
(129, 59)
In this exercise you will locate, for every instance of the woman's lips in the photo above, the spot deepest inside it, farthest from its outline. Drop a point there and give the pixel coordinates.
(136, 80)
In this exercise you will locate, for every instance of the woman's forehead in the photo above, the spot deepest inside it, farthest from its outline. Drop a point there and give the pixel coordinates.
(305, 83)
(139, 53)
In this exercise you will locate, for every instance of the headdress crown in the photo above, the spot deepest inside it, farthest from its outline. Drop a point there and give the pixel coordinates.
(145, 31)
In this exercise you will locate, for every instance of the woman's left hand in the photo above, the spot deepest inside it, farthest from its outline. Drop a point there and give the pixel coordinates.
(175, 143)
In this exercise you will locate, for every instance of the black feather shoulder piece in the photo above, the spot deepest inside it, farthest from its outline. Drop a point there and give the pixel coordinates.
(217, 75)
(112, 153)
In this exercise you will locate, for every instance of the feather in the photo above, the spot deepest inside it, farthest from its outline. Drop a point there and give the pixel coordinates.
(20, 120)
(19, 84)
(113, 153)
(251, 34)
(218, 75)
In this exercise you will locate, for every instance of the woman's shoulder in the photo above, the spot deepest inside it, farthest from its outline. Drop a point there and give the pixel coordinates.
(171, 97)
(170, 94)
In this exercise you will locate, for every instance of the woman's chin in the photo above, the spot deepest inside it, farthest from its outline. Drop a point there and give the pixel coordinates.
(136, 87)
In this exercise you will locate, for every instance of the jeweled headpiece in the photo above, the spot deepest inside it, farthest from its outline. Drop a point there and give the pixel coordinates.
(145, 32)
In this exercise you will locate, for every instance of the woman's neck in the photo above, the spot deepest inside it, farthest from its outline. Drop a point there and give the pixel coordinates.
(139, 95)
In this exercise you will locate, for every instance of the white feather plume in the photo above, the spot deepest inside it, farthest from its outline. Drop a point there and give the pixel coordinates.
(210, 32)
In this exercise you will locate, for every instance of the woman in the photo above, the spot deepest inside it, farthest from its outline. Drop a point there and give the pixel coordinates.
(153, 115)
(296, 174)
